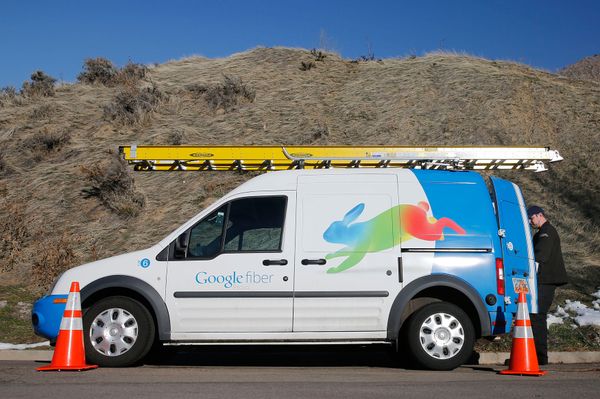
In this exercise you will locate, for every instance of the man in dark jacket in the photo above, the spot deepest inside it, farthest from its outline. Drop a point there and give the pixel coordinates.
(551, 273)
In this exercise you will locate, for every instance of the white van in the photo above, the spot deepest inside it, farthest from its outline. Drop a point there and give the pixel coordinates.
(415, 257)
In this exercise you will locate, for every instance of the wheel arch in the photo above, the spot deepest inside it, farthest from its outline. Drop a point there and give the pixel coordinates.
(435, 288)
(134, 288)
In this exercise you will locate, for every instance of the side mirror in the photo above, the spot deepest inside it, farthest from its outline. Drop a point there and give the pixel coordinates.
(181, 245)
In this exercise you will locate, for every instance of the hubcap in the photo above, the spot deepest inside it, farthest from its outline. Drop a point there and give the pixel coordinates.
(442, 336)
(113, 332)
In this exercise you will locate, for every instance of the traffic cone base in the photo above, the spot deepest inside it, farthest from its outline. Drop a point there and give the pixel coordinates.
(67, 368)
(523, 359)
(69, 353)
(534, 373)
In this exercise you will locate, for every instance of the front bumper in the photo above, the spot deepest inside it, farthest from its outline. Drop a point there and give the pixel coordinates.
(46, 315)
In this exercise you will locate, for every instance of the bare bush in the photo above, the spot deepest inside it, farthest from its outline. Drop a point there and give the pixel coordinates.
(103, 71)
(132, 104)
(8, 95)
(98, 70)
(46, 141)
(197, 90)
(131, 74)
(112, 183)
(318, 55)
(41, 85)
(54, 257)
(226, 95)
(175, 137)
(307, 66)
(319, 134)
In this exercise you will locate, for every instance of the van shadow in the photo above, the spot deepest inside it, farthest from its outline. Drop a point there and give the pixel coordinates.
(277, 356)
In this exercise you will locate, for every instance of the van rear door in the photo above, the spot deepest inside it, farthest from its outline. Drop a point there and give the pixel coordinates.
(515, 238)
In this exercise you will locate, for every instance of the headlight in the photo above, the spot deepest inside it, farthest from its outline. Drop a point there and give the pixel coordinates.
(54, 284)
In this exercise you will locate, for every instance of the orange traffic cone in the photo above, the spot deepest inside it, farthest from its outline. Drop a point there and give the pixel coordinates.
(523, 359)
(69, 353)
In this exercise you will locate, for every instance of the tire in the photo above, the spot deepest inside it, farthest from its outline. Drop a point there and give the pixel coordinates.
(439, 336)
(118, 332)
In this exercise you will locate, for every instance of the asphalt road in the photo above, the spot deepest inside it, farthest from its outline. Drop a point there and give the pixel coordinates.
(278, 372)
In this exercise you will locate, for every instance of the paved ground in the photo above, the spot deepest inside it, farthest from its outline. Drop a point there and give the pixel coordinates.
(278, 372)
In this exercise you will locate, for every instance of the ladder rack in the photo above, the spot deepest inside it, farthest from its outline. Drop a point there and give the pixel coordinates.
(267, 158)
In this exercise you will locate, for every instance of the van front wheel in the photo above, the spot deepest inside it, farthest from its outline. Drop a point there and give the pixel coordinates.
(440, 336)
(118, 332)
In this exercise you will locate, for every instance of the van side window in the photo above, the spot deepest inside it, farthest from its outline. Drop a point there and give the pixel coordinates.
(255, 224)
(206, 236)
(249, 225)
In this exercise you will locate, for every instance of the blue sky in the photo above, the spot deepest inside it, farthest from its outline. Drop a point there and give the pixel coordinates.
(56, 36)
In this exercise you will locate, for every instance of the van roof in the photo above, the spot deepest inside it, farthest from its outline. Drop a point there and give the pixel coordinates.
(286, 180)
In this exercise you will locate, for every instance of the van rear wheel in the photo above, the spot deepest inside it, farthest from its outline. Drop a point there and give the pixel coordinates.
(118, 332)
(440, 336)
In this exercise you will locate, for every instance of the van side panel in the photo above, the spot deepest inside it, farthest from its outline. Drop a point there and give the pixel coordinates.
(346, 252)
(461, 203)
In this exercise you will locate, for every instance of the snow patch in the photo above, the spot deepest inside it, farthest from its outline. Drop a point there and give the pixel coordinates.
(552, 319)
(585, 316)
(4, 346)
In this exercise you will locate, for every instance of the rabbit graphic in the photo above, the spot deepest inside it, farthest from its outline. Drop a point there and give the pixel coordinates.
(376, 234)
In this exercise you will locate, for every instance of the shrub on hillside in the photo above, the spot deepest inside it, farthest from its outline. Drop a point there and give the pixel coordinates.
(98, 70)
(175, 137)
(318, 55)
(47, 140)
(54, 257)
(132, 104)
(8, 95)
(307, 66)
(112, 183)
(226, 95)
(102, 71)
(131, 74)
(41, 85)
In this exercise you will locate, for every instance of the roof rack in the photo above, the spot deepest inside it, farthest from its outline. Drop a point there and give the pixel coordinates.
(268, 158)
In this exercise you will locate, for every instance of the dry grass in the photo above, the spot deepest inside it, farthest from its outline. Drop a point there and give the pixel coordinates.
(4, 168)
(14, 233)
(438, 99)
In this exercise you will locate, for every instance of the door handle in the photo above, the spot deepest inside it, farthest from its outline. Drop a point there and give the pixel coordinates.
(277, 262)
(313, 262)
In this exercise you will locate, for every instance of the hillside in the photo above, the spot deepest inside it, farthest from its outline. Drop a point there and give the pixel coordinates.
(65, 199)
(585, 69)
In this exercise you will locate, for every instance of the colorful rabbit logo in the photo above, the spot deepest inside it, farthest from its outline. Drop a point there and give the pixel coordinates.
(376, 234)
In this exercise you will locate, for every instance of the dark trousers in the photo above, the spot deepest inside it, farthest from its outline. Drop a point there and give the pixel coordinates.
(539, 324)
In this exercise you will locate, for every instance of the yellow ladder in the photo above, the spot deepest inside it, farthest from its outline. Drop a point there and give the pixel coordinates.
(267, 158)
